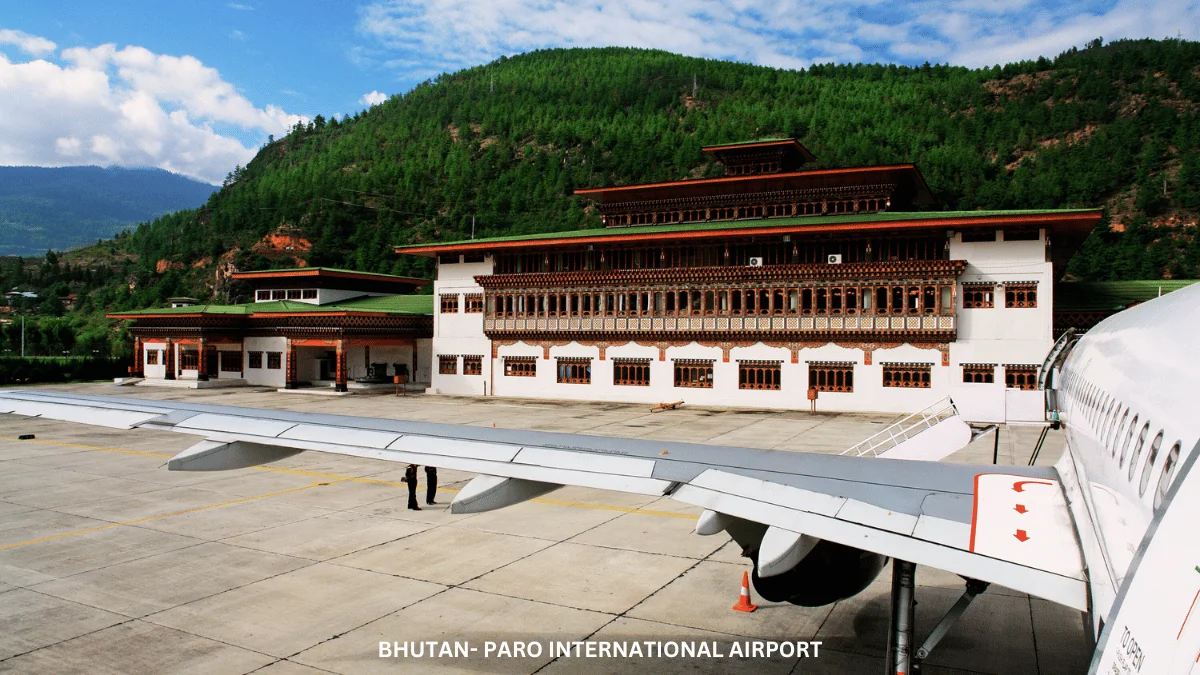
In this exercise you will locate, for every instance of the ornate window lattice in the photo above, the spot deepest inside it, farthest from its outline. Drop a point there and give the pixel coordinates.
(447, 364)
(574, 370)
(189, 359)
(907, 375)
(231, 362)
(1020, 294)
(474, 303)
(831, 376)
(520, 366)
(759, 374)
(472, 365)
(152, 357)
(694, 373)
(631, 372)
(976, 296)
(274, 360)
(979, 373)
(1020, 376)
(254, 359)
(450, 303)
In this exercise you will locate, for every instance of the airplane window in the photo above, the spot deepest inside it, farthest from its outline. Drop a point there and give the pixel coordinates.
(1128, 441)
(1115, 433)
(1149, 464)
(1164, 481)
(1137, 449)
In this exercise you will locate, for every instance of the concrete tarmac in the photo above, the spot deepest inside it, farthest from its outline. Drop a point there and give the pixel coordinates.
(111, 564)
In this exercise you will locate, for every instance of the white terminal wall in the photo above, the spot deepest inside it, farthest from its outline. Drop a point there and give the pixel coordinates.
(266, 377)
(460, 333)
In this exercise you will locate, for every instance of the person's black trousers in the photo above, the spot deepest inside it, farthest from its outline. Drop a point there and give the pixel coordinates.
(430, 483)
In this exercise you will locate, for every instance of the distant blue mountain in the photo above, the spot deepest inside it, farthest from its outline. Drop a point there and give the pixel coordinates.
(59, 208)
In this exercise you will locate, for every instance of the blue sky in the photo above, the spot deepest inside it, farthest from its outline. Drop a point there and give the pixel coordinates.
(195, 87)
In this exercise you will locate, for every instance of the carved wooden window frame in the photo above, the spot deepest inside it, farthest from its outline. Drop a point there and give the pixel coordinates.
(979, 373)
(760, 375)
(831, 376)
(631, 372)
(693, 373)
(1021, 376)
(907, 375)
(447, 364)
(520, 366)
(472, 364)
(573, 370)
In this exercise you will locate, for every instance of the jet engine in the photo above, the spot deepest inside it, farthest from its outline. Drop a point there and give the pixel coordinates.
(828, 573)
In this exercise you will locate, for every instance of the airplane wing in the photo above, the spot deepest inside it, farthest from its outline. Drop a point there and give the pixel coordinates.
(1007, 525)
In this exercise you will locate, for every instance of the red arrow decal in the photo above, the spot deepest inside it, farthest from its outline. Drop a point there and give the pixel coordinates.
(1022, 536)
(1020, 508)
(1017, 485)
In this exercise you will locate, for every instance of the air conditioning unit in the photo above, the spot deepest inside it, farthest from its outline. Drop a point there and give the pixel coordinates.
(756, 262)
(834, 259)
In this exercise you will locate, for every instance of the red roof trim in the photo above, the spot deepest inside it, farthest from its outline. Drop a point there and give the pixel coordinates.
(317, 272)
(734, 179)
(927, 223)
(756, 144)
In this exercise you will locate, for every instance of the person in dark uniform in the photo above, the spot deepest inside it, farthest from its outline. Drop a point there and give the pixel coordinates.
(410, 477)
(430, 484)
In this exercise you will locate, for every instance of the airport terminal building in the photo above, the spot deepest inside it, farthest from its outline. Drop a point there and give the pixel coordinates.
(754, 288)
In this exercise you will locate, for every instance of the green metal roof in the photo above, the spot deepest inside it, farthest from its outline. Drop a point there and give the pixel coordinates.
(1102, 296)
(881, 217)
(383, 304)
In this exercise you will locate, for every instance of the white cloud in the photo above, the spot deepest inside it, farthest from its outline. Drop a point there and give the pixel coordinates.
(30, 44)
(373, 98)
(238, 35)
(425, 37)
(128, 107)
(240, 7)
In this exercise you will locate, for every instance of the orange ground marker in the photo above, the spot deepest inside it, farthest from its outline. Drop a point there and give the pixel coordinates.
(743, 603)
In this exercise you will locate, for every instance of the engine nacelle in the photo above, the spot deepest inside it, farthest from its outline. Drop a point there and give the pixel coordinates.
(828, 573)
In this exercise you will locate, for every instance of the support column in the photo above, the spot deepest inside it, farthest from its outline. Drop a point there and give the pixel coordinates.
(138, 359)
(169, 360)
(201, 362)
(339, 383)
(412, 377)
(289, 368)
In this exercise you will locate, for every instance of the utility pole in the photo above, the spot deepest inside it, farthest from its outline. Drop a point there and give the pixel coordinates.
(22, 336)
(472, 225)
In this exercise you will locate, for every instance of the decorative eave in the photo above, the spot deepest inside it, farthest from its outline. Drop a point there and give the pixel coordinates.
(890, 270)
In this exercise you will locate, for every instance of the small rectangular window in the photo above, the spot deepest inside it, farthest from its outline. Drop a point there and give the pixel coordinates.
(189, 359)
(1020, 295)
(448, 259)
(574, 370)
(293, 294)
(1020, 376)
(520, 366)
(473, 258)
(472, 365)
(152, 357)
(231, 362)
(474, 303)
(308, 294)
(907, 375)
(262, 296)
(274, 360)
(759, 374)
(694, 373)
(978, 295)
(831, 376)
(254, 359)
(278, 294)
(1021, 234)
(631, 372)
(450, 303)
(447, 364)
(979, 373)
(972, 236)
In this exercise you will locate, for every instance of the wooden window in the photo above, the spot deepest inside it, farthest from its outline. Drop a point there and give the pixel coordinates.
(450, 304)
(979, 373)
(631, 372)
(189, 359)
(978, 296)
(293, 294)
(907, 375)
(474, 303)
(574, 370)
(969, 236)
(152, 357)
(472, 365)
(520, 366)
(278, 295)
(308, 294)
(694, 373)
(831, 376)
(254, 359)
(262, 296)
(231, 362)
(448, 259)
(1020, 294)
(447, 364)
(1020, 376)
(472, 257)
(759, 374)
(274, 360)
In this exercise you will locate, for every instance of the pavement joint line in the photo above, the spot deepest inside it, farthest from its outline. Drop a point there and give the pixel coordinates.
(363, 479)
(135, 521)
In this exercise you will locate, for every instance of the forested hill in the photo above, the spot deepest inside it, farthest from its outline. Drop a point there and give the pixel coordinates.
(57, 208)
(505, 143)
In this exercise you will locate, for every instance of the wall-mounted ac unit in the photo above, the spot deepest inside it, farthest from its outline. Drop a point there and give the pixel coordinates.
(756, 262)
(834, 258)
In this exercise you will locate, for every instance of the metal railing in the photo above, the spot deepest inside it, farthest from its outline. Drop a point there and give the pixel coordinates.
(903, 430)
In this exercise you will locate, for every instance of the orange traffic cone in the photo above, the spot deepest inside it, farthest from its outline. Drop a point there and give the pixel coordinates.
(743, 603)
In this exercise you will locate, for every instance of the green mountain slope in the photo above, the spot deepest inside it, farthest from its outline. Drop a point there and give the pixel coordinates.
(58, 208)
(502, 145)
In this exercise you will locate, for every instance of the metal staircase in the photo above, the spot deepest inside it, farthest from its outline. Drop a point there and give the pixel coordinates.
(903, 430)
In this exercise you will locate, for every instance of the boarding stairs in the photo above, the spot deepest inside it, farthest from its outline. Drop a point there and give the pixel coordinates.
(929, 434)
